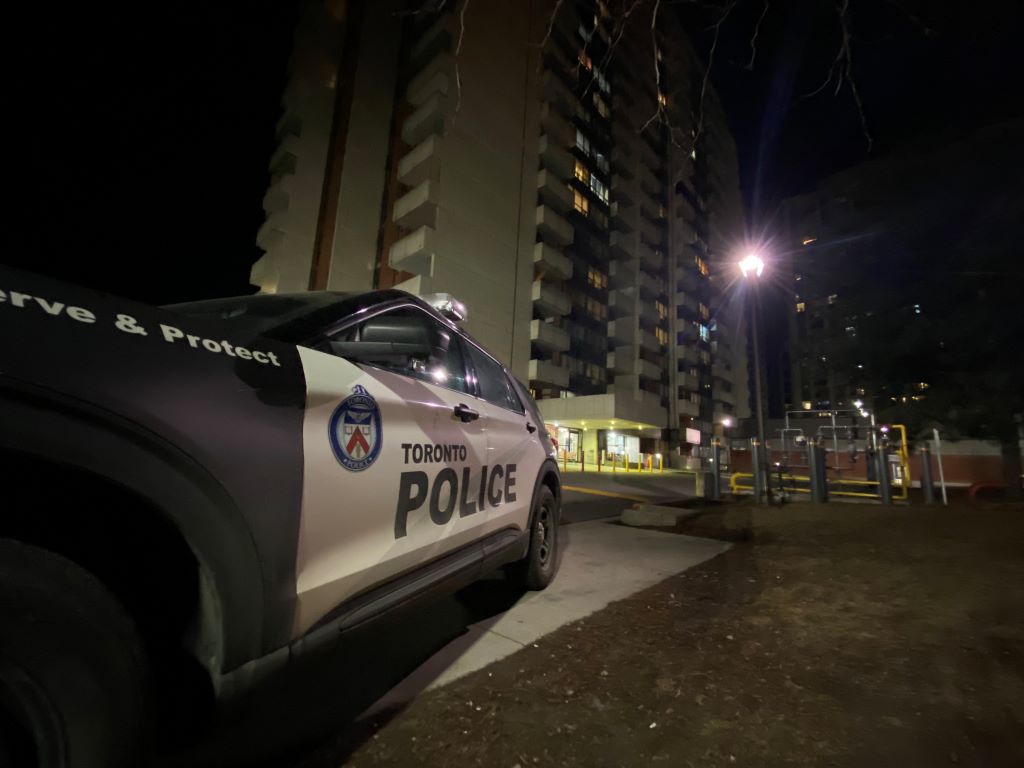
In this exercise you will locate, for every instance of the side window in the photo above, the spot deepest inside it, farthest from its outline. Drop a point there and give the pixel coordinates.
(405, 341)
(493, 383)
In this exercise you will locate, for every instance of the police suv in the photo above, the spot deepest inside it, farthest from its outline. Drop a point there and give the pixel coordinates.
(195, 496)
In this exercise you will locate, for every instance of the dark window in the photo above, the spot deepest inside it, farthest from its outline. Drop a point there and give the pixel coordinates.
(386, 341)
(493, 383)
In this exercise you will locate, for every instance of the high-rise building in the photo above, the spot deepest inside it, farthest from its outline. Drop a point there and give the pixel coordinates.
(568, 175)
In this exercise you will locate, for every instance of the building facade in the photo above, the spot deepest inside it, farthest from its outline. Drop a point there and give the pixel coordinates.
(562, 174)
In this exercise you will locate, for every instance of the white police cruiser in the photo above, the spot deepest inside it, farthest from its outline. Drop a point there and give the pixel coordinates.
(201, 494)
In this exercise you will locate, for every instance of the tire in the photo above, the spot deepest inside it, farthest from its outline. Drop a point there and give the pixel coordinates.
(538, 568)
(73, 673)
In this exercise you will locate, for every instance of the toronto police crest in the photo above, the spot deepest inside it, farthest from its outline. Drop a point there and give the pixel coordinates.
(355, 430)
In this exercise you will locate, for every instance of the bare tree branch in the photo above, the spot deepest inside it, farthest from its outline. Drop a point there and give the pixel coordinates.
(659, 111)
(551, 24)
(437, 7)
(707, 72)
(458, 47)
(757, 31)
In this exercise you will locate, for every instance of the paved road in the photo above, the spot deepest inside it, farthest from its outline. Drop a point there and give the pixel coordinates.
(593, 495)
(374, 672)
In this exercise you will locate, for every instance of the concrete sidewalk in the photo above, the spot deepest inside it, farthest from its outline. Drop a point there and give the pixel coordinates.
(602, 563)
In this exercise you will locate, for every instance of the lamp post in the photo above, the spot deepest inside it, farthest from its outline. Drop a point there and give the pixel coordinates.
(751, 268)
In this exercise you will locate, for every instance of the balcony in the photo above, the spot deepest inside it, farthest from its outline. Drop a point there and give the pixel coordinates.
(414, 252)
(624, 190)
(622, 273)
(553, 228)
(554, 191)
(688, 382)
(421, 163)
(650, 342)
(624, 331)
(549, 300)
(722, 396)
(688, 408)
(648, 156)
(549, 337)
(624, 217)
(546, 373)
(622, 163)
(621, 244)
(417, 207)
(428, 119)
(555, 157)
(438, 76)
(649, 286)
(561, 131)
(650, 181)
(688, 305)
(550, 263)
(652, 233)
(439, 36)
(721, 371)
(647, 369)
(688, 279)
(688, 354)
(558, 93)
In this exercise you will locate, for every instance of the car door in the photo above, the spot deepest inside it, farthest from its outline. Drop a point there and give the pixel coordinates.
(394, 449)
(514, 449)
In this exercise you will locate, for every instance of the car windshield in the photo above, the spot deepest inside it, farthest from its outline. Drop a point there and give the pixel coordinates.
(262, 311)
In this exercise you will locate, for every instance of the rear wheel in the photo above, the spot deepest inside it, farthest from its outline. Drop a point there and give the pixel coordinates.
(537, 569)
(73, 674)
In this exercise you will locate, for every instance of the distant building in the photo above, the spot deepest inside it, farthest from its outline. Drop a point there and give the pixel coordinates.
(889, 214)
(539, 184)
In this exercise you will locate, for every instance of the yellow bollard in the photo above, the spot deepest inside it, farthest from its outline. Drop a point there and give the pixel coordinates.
(565, 461)
(583, 460)
(661, 463)
(625, 462)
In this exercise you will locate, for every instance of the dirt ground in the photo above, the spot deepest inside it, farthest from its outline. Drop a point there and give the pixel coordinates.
(840, 635)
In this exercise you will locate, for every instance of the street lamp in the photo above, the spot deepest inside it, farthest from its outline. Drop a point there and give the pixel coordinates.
(751, 267)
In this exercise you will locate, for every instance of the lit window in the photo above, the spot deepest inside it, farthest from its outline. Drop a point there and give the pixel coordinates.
(833, 298)
(851, 330)
(693, 153)
(580, 202)
(917, 309)
(662, 336)
(705, 335)
(597, 278)
(662, 309)
(801, 307)
(922, 385)
(662, 99)
(585, 60)
(806, 405)
(705, 357)
(581, 172)
(602, 162)
(704, 311)
(807, 241)
(598, 188)
(701, 266)
(600, 105)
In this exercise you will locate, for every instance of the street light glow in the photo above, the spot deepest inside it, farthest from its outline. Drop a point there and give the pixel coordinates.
(752, 263)
(726, 422)
(858, 403)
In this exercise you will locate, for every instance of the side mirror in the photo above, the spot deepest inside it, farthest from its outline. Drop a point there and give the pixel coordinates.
(396, 339)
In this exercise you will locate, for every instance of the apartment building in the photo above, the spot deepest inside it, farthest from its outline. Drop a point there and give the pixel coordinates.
(543, 169)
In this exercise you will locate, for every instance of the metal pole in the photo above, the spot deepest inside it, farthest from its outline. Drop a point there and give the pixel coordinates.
(926, 475)
(755, 311)
(884, 484)
(755, 459)
(938, 459)
(835, 441)
(716, 475)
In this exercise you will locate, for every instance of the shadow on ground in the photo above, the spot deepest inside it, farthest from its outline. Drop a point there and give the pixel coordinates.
(315, 702)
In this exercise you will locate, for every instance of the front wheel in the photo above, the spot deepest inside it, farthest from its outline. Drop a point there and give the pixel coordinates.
(538, 568)
(73, 674)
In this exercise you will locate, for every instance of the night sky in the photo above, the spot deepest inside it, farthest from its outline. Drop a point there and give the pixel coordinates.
(143, 141)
